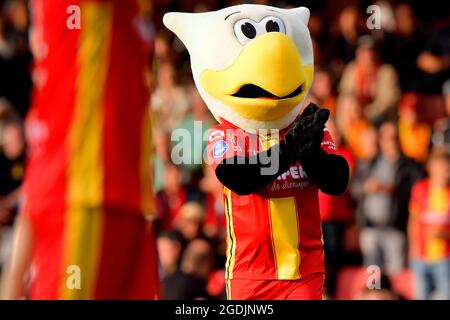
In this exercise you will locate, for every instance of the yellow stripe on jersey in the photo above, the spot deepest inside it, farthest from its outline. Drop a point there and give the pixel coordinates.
(82, 236)
(228, 289)
(439, 204)
(84, 228)
(231, 237)
(147, 200)
(285, 235)
(85, 185)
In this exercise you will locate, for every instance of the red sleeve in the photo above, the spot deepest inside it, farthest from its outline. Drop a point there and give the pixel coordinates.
(328, 143)
(417, 195)
(225, 142)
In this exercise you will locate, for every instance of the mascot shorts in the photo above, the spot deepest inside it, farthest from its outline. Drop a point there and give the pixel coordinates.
(309, 288)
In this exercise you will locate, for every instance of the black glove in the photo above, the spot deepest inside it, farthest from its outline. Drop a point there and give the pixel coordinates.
(303, 141)
(329, 172)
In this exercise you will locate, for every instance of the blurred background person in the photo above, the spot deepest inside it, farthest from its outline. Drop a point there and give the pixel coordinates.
(384, 203)
(429, 229)
(434, 60)
(215, 222)
(169, 100)
(322, 89)
(190, 221)
(351, 123)
(8, 114)
(12, 169)
(414, 134)
(336, 214)
(196, 123)
(441, 134)
(175, 194)
(402, 47)
(177, 284)
(345, 41)
(198, 261)
(374, 83)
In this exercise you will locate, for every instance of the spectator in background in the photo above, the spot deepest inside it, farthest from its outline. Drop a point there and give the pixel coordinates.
(323, 89)
(403, 46)
(163, 50)
(215, 222)
(336, 214)
(169, 100)
(6, 48)
(429, 229)
(196, 122)
(15, 63)
(171, 199)
(415, 136)
(190, 221)
(12, 156)
(351, 123)
(177, 284)
(374, 83)
(170, 248)
(7, 114)
(441, 136)
(435, 61)
(160, 157)
(344, 45)
(198, 261)
(383, 204)
(362, 169)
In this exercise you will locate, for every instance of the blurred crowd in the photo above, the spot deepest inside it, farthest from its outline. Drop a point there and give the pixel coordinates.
(388, 91)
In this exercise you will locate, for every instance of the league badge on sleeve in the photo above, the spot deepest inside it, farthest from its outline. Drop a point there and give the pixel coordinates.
(219, 149)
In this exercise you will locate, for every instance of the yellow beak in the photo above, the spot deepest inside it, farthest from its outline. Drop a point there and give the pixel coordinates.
(267, 80)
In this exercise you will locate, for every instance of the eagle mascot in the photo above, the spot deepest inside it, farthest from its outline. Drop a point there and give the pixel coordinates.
(253, 66)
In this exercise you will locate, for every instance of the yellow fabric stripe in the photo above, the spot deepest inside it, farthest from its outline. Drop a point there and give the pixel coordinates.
(231, 237)
(84, 228)
(438, 203)
(228, 289)
(82, 238)
(85, 136)
(147, 200)
(285, 234)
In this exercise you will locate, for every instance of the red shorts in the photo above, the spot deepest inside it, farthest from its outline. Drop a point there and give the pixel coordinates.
(309, 288)
(111, 253)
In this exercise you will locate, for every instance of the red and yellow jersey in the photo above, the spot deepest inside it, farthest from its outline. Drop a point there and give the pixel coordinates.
(88, 130)
(274, 233)
(430, 210)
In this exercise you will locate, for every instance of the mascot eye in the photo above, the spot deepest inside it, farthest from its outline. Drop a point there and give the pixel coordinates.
(273, 24)
(246, 30)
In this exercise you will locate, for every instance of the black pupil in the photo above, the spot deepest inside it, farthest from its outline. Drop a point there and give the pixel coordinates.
(248, 30)
(272, 26)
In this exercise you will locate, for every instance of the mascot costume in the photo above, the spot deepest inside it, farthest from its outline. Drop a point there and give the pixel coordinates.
(253, 66)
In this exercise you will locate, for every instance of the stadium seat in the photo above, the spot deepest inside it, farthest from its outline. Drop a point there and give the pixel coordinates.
(350, 281)
(403, 284)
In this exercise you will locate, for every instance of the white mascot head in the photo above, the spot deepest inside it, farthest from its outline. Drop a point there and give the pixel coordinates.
(252, 64)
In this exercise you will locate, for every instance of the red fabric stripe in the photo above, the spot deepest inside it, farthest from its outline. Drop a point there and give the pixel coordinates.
(127, 268)
(126, 101)
(253, 256)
